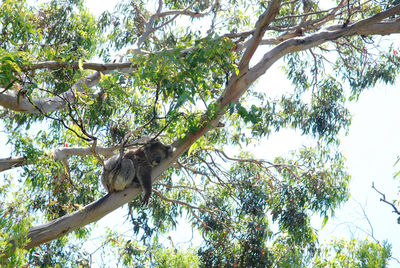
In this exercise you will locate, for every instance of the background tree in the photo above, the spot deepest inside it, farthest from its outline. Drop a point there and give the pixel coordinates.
(75, 90)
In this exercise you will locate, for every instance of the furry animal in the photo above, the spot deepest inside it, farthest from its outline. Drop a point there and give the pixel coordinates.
(135, 168)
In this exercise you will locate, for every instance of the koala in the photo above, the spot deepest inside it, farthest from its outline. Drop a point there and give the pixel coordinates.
(135, 168)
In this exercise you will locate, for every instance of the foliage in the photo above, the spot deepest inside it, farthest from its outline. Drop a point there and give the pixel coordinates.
(353, 253)
(180, 68)
(174, 258)
(14, 224)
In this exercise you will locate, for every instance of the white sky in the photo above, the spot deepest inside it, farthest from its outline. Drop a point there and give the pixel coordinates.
(371, 149)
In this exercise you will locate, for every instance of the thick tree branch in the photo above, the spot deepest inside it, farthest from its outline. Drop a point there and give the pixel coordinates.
(12, 162)
(260, 28)
(234, 90)
(90, 213)
(101, 67)
(364, 27)
(71, 222)
(61, 154)
(381, 28)
(11, 100)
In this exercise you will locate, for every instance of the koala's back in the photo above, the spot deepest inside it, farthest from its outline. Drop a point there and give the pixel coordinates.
(135, 167)
(136, 155)
(152, 153)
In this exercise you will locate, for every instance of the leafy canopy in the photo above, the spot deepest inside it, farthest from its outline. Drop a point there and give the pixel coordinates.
(181, 70)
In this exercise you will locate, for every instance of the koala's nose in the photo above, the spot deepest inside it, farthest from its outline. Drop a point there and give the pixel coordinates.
(158, 159)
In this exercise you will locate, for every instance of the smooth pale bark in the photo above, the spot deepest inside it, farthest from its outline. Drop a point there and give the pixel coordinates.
(234, 90)
(12, 101)
(92, 212)
(12, 162)
(61, 153)
(100, 208)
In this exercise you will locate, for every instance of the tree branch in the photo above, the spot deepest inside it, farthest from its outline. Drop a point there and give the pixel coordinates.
(260, 28)
(61, 153)
(234, 90)
(101, 67)
(11, 100)
(182, 203)
(12, 162)
(383, 199)
(90, 213)
(175, 13)
(368, 26)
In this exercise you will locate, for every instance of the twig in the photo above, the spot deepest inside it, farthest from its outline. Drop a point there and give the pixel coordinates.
(183, 203)
(53, 65)
(180, 187)
(383, 199)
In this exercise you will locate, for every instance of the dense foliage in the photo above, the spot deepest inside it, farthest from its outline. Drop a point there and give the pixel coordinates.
(168, 72)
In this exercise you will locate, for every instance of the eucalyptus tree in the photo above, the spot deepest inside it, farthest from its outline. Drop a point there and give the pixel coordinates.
(76, 89)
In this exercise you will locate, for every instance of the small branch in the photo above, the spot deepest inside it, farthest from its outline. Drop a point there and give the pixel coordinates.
(383, 199)
(371, 233)
(87, 137)
(53, 65)
(255, 161)
(64, 152)
(183, 203)
(174, 13)
(205, 226)
(179, 187)
(303, 15)
(95, 154)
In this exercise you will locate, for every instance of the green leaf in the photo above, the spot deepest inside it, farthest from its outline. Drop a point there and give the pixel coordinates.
(325, 221)
(80, 64)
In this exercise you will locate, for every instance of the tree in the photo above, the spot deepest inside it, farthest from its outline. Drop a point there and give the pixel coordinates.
(76, 90)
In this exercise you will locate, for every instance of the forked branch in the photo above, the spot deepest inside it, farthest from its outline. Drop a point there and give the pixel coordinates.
(234, 90)
(383, 199)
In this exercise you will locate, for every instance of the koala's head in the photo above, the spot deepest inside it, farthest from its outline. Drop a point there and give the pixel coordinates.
(156, 151)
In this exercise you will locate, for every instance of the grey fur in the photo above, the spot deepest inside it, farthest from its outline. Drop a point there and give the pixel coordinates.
(136, 166)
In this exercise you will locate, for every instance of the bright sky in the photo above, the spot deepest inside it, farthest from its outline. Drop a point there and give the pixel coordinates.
(371, 149)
